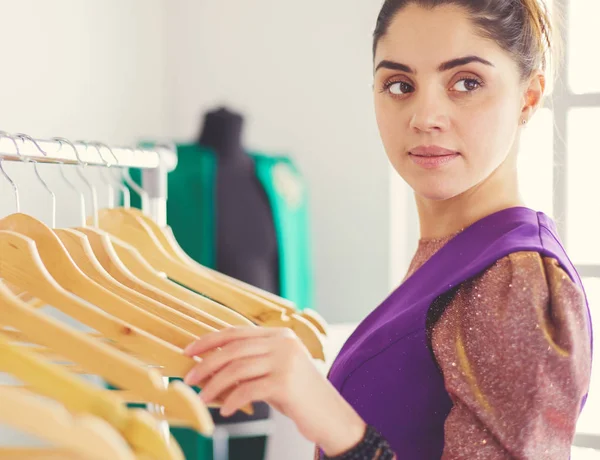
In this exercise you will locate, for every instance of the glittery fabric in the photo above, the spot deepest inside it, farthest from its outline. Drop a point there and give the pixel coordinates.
(514, 350)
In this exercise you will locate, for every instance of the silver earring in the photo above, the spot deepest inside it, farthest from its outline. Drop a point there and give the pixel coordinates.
(523, 122)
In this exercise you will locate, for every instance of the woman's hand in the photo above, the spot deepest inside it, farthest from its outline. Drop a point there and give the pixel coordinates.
(242, 365)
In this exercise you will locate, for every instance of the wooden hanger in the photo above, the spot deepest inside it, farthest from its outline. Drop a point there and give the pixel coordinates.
(125, 265)
(62, 268)
(258, 310)
(133, 290)
(138, 428)
(86, 436)
(49, 454)
(34, 453)
(81, 252)
(21, 266)
(167, 239)
(178, 254)
(176, 412)
(98, 358)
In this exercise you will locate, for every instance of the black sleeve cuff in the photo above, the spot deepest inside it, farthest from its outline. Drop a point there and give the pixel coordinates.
(372, 446)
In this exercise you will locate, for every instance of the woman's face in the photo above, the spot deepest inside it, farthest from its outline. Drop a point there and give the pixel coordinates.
(448, 102)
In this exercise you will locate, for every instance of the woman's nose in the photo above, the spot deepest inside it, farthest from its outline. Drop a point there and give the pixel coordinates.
(430, 114)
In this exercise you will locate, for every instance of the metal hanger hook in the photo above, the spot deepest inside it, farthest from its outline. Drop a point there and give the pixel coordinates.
(104, 174)
(10, 181)
(72, 186)
(139, 190)
(121, 186)
(81, 165)
(25, 137)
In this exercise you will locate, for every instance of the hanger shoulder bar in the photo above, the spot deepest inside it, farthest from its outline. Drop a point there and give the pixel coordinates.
(167, 239)
(81, 252)
(143, 270)
(83, 435)
(86, 350)
(21, 266)
(103, 248)
(59, 263)
(78, 396)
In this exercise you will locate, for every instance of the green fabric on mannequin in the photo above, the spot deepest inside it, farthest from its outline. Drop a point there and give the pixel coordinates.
(289, 201)
(191, 214)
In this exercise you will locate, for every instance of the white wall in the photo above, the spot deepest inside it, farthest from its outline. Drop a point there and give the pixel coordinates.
(301, 72)
(83, 69)
(404, 228)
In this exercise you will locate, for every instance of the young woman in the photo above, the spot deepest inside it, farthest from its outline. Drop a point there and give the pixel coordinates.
(484, 350)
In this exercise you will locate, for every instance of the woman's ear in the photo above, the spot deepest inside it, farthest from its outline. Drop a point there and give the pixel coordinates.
(534, 92)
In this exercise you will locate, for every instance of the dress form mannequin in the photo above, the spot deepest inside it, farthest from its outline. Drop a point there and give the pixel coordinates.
(246, 239)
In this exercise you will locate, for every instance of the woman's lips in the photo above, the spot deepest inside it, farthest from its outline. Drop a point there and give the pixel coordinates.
(433, 161)
(430, 157)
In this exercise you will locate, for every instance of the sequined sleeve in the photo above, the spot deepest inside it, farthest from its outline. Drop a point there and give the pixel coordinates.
(372, 446)
(514, 347)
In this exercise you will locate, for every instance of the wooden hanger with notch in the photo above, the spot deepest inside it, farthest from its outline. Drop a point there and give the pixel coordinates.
(105, 252)
(138, 427)
(80, 436)
(22, 267)
(167, 239)
(302, 319)
(82, 254)
(125, 283)
(59, 263)
(96, 357)
(125, 265)
(258, 310)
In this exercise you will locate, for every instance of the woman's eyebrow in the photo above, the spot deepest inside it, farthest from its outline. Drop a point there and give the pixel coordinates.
(385, 64)
(462, 61)
(444, 66)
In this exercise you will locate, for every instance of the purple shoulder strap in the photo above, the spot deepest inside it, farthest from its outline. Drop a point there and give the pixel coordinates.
(469, 253)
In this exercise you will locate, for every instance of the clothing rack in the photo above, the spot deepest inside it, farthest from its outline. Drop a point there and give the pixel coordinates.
(156, 162)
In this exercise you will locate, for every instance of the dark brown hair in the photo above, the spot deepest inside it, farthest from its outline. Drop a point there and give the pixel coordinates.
(521, 27)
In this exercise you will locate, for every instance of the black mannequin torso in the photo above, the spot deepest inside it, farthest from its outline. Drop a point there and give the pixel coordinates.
(246, 239)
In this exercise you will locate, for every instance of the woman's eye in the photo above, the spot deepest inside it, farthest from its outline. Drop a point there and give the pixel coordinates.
(466, 85)
(400, 87)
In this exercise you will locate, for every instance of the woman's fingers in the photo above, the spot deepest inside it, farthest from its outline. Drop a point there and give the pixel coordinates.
(246, 393)
(242, 365)
(235, 373)
(231, 352)
(225, 336)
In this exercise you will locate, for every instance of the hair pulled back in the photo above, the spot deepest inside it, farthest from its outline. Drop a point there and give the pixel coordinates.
(521, 27)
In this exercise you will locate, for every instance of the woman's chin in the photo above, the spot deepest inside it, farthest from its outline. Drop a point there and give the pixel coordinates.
(434, 186)
(436, 192)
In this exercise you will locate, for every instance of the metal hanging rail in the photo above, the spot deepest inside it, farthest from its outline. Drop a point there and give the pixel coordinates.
(60, 150)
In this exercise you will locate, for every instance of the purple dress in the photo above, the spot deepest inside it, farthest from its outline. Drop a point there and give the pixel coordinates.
(387, 370)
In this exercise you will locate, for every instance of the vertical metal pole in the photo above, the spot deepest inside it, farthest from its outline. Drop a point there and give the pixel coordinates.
(155, 183)
(220, 440)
